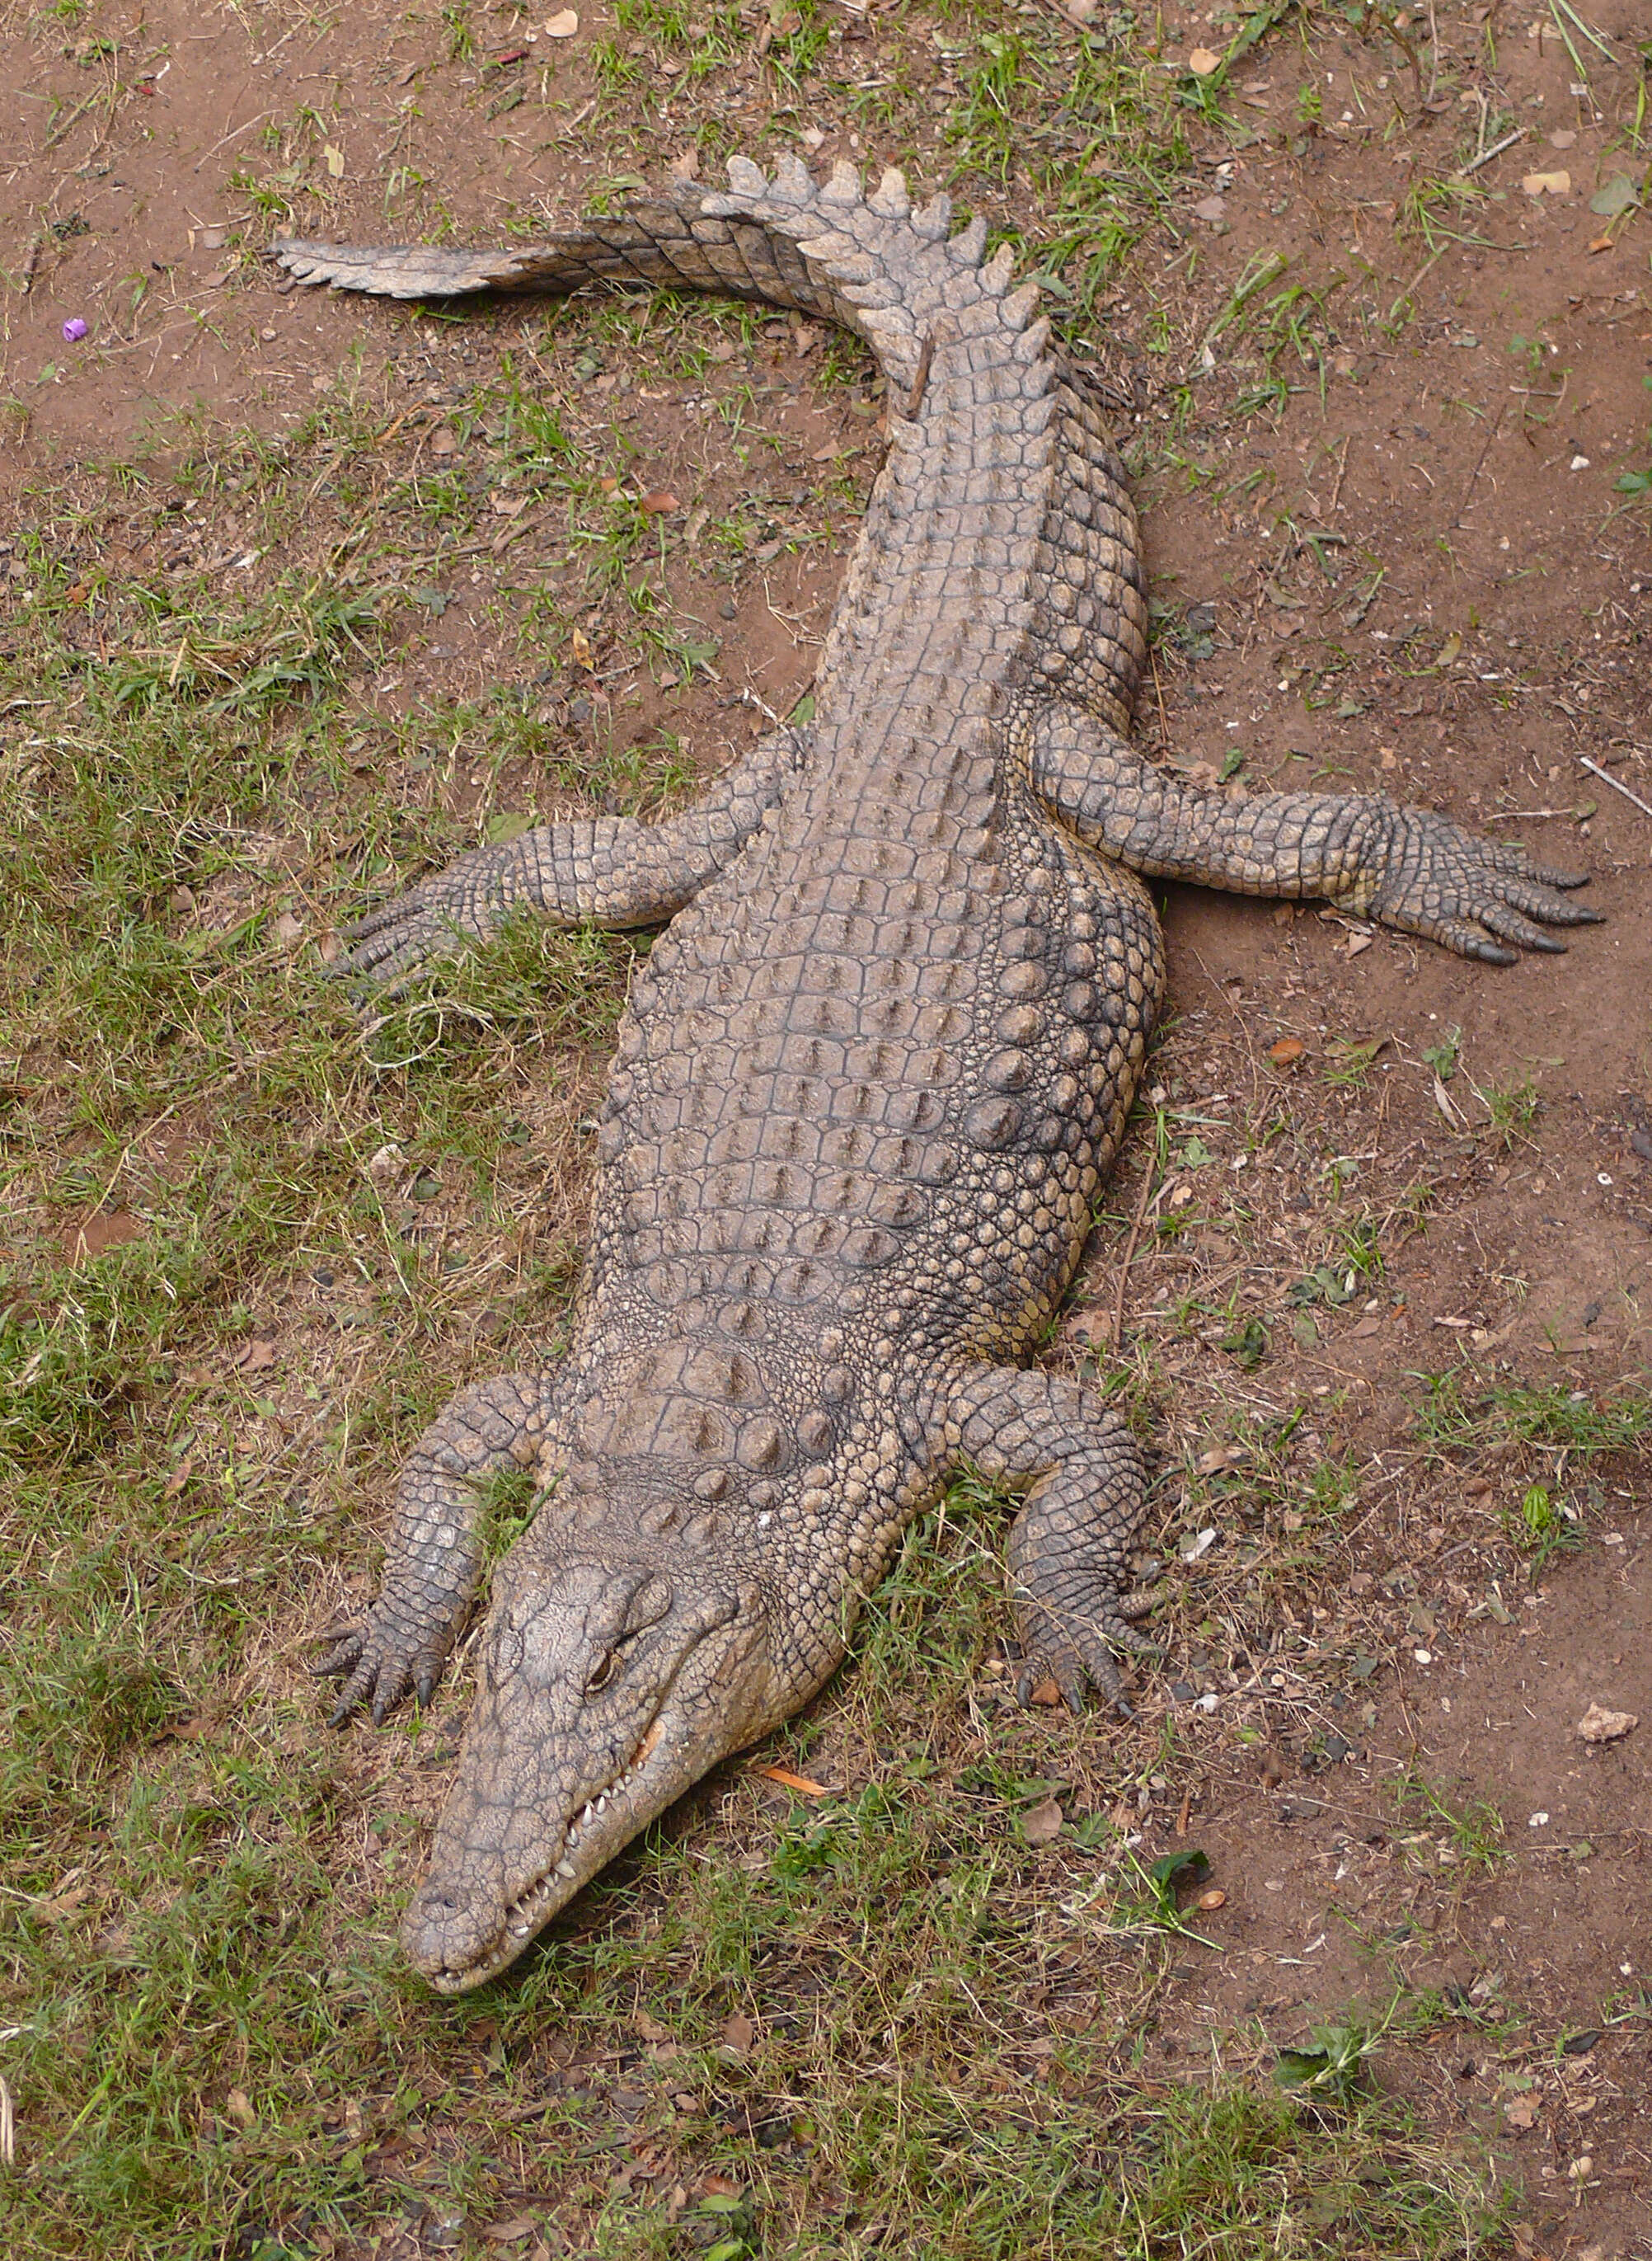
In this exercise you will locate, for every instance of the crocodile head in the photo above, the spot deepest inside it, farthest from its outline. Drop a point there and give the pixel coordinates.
(609, 1684)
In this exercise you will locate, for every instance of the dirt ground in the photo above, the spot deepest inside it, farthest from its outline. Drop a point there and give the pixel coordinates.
(1387, 400)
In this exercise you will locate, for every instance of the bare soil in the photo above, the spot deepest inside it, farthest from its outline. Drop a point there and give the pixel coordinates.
(1420, 576)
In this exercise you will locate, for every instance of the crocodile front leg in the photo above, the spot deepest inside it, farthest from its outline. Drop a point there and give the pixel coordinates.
(435, 1550)
(1070, 1545)
(1409, 867)
(614, 872)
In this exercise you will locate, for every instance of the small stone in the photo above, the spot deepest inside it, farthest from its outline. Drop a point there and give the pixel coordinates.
(1599, 1726)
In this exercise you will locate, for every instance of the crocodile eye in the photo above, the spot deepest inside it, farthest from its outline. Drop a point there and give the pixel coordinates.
(608, 1670)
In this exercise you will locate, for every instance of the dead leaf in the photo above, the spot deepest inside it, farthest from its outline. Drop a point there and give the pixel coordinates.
(335, 162)
(1520, 2112)
(650, 2028)
(798, 1782)
(61, 1905)
(738, 2032)
(1546, 184)
(581, 644)
(406, 76)
(288, 929)
(687, 166)
(508, 505)
(1045, 1694)
(179, 1477)
(216, 279)
(1563, 136)
(1600, 243)
(1597, 1725)
(444, 441)
(659, 502)
(1203, 61)
(256, 1355)
(239, 2105)
(1357, 942)
(1287, 1051)
(1211, 208)
(511, 2232)
(1367, 1327)
(563, 24)
(1042, 1825)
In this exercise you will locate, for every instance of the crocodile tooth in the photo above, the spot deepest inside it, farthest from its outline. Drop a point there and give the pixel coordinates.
(566, 1868)
(587, 1817)
(602, 1803)
(573, 1833)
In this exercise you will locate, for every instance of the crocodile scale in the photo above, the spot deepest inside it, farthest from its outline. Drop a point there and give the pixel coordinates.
(867, 1088)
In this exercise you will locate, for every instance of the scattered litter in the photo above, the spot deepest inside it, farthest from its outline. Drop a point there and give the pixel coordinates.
(1203, 61)
(1197, 1544)
(800, 1782)
(563, 24)
(1546, 184)
(1538, 1820)
(74, 330)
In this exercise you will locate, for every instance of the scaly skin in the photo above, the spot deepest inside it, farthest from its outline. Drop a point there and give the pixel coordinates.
(867, 1088)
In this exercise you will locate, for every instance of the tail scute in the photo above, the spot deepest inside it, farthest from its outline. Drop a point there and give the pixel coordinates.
(881, 267)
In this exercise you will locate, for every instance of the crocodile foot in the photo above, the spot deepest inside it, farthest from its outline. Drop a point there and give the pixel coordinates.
(1070, 1629)
(384, 1657)
(1424, 873)
(463, 903)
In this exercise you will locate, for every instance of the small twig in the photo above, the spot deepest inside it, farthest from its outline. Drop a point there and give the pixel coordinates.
(1342, 473)
(1129, 1251)
(31, 261)
(1617, 783)
(1478, 465)
(1158, 693)
(234, 134)
(1495, 150)
(8, 2127)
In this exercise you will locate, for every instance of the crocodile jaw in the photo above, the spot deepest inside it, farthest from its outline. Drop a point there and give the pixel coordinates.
(607, 1690)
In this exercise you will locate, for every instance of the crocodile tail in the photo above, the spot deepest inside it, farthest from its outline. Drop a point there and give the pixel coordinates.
(872, 262)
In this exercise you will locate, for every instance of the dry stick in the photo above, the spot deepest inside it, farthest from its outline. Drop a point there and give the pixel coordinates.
(1478, 466)
(1617, 783)
(1342, 473)
(1495, 150)
(1129, 1251)
(1158, 693)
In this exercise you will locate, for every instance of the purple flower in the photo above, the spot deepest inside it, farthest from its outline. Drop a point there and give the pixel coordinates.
(74, 330)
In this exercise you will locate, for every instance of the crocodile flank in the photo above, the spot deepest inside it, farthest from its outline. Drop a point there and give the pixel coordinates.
(876, 1068)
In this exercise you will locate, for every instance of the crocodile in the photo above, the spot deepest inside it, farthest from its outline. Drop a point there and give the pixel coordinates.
(868, 1082)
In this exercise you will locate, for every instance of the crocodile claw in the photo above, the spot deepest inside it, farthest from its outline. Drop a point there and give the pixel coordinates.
(382, 1664)
(1427, 875)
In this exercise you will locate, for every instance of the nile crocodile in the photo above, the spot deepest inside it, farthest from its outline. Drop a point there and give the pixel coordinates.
(867, 1086)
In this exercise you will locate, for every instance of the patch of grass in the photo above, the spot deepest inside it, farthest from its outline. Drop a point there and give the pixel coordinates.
(1470, 1831)
(1459, 1411)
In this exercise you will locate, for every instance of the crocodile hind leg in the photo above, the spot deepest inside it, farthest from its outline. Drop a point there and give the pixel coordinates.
(1070, 1545)
(1409, 867)
(612, 871)
(435, 1551)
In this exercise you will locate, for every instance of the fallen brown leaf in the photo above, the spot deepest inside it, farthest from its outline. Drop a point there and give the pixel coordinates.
(444, 441)
(789, 1781)
(659, 502)
(1203, 61)
(1045, 1692)
(1042, 1825)
(1287, 1051)
(256, 1355)
(738, 2032)
(687, 166)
